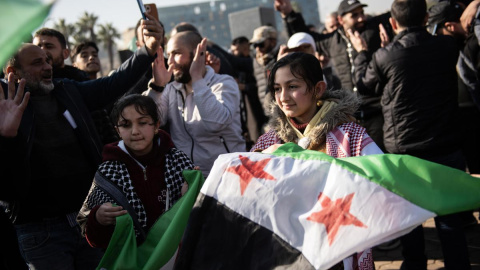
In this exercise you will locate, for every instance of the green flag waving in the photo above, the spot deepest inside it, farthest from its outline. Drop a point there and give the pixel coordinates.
(162, 240)
(19, 19)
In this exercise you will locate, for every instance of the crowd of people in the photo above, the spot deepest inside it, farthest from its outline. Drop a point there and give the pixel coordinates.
(403, 82)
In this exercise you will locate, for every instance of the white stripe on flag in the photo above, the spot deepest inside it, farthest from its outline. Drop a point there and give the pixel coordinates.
(285, 204)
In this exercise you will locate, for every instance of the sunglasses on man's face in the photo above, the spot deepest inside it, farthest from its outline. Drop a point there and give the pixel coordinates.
(259, 45)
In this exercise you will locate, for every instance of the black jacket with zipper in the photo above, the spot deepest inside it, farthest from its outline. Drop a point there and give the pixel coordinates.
(416, 78)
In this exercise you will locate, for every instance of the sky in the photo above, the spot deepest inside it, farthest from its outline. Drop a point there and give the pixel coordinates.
(125, 13)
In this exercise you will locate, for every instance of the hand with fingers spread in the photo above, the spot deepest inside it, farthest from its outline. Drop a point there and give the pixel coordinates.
(197, 69)
(213, 61)
(161, 76)
(358, 43)
(107, 214)
(12, 107)
(283, 6)
(385, 40)
(152, 33)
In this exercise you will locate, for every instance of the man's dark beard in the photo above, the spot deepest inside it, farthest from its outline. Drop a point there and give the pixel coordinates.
(184, 76)
(359, 27)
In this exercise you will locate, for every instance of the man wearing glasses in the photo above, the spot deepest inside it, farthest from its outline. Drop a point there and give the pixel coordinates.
(264, 41)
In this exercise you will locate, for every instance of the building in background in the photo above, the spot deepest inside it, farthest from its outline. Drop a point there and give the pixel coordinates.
(211, 17)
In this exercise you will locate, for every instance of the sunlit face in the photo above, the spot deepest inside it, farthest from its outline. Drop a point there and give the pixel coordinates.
(53, 48)
(266, 46)
(36, 69)
(179, 60)
(136, 130)
(87, 60)
(293, 97)
(354, 20)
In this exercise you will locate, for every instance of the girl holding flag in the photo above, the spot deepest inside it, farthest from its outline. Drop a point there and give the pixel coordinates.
(140, 175)
(315, 118)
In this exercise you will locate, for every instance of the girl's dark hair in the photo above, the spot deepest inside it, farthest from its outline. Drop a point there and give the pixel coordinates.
(143, 105)
(302, 65)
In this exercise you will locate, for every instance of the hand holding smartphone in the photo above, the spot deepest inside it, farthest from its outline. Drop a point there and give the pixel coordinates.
(148, 8)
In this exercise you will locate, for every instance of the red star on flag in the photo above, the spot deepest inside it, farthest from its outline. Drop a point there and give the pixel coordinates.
(335, 214)
(250, 169)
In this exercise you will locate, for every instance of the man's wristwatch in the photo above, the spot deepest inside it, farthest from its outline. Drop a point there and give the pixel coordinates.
(155, 87)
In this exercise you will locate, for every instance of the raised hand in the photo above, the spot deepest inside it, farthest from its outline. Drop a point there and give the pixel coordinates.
(197, 69)
(213, 61)
(282, 51)
(12, 107)
(357, 41)
(283, 6)
(107, 214)
(469, 14)
(385, 40)
(153, 34)
(161, 76)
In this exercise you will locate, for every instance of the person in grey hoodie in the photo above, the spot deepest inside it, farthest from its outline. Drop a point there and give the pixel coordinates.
(200, 107)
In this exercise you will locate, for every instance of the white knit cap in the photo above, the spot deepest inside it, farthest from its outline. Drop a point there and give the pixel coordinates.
(299, 39)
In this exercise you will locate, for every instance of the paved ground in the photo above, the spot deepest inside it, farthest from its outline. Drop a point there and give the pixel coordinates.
(388, 260)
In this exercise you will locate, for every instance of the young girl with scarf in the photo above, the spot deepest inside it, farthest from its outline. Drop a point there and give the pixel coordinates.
(315, 118)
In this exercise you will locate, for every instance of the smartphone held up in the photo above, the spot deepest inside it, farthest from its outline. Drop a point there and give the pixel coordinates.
(150, 9)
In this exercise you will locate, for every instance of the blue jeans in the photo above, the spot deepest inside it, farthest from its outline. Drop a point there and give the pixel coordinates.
(54, 244)
(449, 229)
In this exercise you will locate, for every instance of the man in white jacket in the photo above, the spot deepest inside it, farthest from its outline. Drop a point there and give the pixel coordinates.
(202, 108)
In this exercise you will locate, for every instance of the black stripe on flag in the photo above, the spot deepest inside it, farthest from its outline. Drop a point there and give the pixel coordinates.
(219, 238)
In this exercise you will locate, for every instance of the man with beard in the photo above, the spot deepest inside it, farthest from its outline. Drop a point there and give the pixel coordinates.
(49, 151)
(201, 107)
(338, 48)
(264, 42)
(54, 44)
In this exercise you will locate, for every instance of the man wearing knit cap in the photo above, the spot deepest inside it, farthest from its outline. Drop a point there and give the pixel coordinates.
(264, 41)
(301, 42)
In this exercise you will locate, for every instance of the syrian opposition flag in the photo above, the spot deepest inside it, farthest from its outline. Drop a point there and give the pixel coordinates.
(159, 249)
(301, 209)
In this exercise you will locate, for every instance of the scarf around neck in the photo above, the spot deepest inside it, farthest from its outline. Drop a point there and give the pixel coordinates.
(303, 137)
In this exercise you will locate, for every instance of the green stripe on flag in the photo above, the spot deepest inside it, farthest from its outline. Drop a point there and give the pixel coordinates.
(19, 19)
(162, 239)
(434, 187)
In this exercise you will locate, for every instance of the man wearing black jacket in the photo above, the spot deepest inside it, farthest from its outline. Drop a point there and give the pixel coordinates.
(49, 151)
(416, 78)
